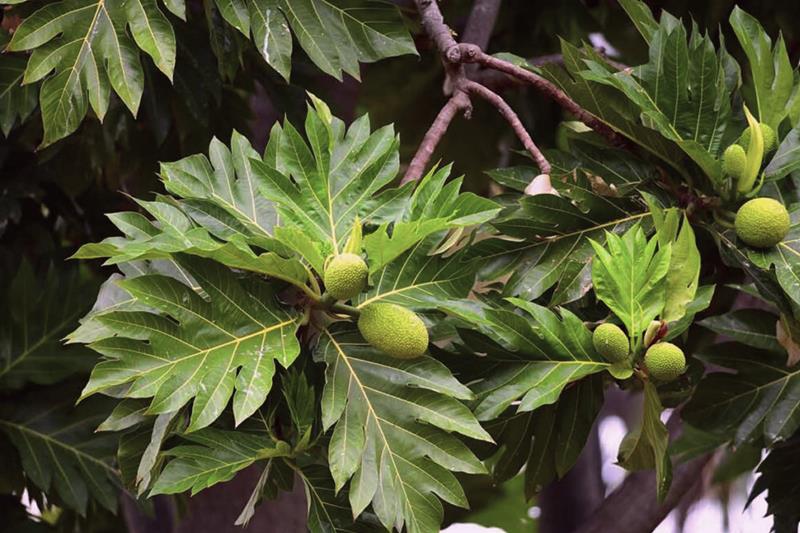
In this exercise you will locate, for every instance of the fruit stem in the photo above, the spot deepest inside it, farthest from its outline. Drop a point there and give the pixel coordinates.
(345, 309)
(329, 303)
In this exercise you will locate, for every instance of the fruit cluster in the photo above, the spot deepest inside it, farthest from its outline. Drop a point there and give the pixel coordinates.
(390, 328)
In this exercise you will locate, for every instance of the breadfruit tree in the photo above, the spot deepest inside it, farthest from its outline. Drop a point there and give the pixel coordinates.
(333, 308)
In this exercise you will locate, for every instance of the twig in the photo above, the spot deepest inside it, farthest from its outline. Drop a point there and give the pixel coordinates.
(513, 120)
(470, 53)
(458, 102)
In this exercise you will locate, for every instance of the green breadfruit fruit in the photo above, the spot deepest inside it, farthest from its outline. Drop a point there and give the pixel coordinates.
(734, 161)
(345, 276)
(610, 342)
(762, 222)
(665, 361)
(395, 330)
(770, 139)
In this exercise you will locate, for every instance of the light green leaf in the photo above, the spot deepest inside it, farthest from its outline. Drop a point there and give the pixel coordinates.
(772, 78)
(629, 276)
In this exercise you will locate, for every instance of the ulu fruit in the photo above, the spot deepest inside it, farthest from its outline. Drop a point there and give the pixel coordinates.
(762, 222)
(734, 161)
(664, 361)
(610, 342)
(345, 276)
(394, 330)
(770, 139)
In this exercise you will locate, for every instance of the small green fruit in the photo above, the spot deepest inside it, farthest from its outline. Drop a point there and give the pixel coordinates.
(770, 139)
(762, 222)
(734, 161)
(665, 361)
(610, 342)
(345, 276)
(394, 330)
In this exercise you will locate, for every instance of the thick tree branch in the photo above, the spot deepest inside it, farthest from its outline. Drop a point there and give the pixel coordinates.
(634, 502)
(481, 22)
(458, 102)
(470, 53)
(513, 120)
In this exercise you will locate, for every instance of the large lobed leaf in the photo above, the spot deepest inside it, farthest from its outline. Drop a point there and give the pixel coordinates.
(337, 36)
(529, 358)
(83, 49)
(35, 316)
(555, 232)
(630, 277)
(87, 47)
(682, 91)
(548, 441)
(757, 396)
(61, 455)
(393, 431)
(194, 348)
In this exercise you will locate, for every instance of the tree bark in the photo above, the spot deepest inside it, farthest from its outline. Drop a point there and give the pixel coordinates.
(633, 507)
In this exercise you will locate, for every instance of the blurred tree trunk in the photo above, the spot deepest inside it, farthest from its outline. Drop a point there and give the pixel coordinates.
(570, 501)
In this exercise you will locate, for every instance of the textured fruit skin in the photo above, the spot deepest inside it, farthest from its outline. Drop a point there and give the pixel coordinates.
(394, 330)
(346, 276)
(611, 342)
(734, 160)
(770, 139)
(665, 361)
(762, 222)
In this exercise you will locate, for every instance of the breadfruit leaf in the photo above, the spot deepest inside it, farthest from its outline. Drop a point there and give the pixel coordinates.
(394, 430)
(17, 101)
(35, 316)
(777, 473)
(337, 36)
(189, 347)
(530, 357)
(772, 78)
(681, 91)
(629, 276)
(87, 46)
(60, 452)
(548, 441)
(213, 456)
(556, 232)
(757, 399)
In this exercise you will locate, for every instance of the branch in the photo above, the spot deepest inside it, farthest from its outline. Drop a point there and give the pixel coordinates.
(513, 120)
(439, 32)
(470, 53)
(481, 22)
(459, 101)
(634, 502)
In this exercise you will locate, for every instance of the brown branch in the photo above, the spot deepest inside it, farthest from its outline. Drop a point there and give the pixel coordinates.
(481, 22)
(513, 120)
(470, 53)
(437, 30)
(634, 502)
(458, 102)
